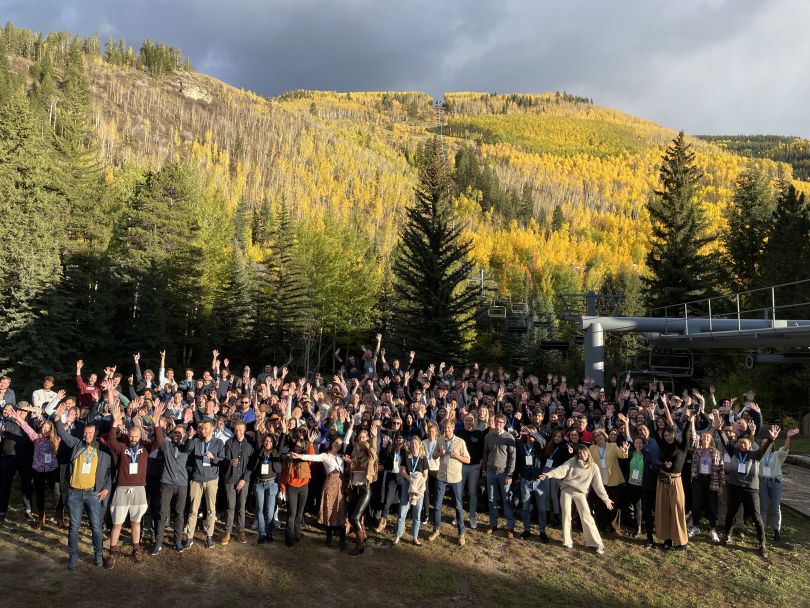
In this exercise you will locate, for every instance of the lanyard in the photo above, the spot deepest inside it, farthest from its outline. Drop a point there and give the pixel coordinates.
(134, 453)
(602, 453)
(741, 459)
(768, 459)
(529, 450)
(205, 446)
(414, 463)
(88, 454)
(554, 451)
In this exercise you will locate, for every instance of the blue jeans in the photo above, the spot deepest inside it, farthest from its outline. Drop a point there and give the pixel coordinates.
(497, 488)
(441, 487)
(84, 500)
(470, 476)
(416, 511)
(770, 497)
(533, 492)
(266, 493)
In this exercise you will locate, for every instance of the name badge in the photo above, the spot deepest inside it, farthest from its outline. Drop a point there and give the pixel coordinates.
(741, 468)
(550, 463)
(265, 469)
(133, 468)
(47, 459)
(206, 462)
(528, 460)
(704, 468)
(635, 474)
(766, 471)
(85, 468)
(602, 463)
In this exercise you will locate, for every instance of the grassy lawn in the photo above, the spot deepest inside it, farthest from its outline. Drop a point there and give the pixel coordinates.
(488, 571)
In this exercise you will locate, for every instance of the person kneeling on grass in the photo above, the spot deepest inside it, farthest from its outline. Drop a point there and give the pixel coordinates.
(577, 476)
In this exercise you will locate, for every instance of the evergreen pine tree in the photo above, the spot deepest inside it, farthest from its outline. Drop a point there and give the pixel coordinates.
(435, 314)
(749, 221)
(785, 255)
(282, 298)
(234, 309)
(29, 255)
(678, 269)
(526, 207)
(557, 218)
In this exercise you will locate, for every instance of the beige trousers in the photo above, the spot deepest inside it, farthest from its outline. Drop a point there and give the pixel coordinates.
(196, 492)
(589, 529)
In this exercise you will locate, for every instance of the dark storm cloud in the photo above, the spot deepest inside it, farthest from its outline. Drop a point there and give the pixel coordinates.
(707, 66)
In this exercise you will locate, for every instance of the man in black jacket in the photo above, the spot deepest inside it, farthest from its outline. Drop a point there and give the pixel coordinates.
(530, 462)
(238, 451)
(17, 456)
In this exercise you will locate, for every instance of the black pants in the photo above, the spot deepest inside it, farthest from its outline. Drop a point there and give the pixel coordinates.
(606, 519)
(749, 499)
(62, 478)
(647, 507)
(236, 500)
(168, 494)
(296, 503)
(704, 500)
(430, 492)
(633, 498)
(359, 498)
(41, 481)
(9, 466)
(153, 500)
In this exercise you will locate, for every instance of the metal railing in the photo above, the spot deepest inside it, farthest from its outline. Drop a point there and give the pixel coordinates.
(761, 303)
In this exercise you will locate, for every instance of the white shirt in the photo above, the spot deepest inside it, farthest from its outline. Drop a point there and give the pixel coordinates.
(330, 462)
(41, 397)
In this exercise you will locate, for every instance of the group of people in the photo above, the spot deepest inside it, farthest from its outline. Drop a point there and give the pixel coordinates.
(619, 459)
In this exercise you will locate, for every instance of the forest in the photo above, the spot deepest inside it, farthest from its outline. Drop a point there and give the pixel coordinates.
(146, 206)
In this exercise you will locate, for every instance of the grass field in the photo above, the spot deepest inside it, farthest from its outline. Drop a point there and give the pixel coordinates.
(489, 571)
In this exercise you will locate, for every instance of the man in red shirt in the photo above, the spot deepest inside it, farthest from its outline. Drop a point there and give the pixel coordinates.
(129, 498)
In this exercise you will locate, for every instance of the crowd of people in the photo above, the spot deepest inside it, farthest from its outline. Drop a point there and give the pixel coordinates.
(382, 444)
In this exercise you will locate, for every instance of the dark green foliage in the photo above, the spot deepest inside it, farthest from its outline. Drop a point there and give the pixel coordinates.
(29, 255)
(794, 151)
(282, 297)
(435, 309)
(749, 222)
(557, 218)
(678, 270)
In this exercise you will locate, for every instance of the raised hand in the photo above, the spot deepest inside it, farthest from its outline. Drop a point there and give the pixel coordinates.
(79, 365)
(136, 357)
(793, 432)
(774, 431)
(158, 412)
(117, 415)
(61, 394)
(226, 361)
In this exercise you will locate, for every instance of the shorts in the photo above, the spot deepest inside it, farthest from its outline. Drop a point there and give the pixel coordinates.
(128, 500)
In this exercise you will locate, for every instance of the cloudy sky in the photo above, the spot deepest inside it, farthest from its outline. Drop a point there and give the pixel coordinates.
(706, 66)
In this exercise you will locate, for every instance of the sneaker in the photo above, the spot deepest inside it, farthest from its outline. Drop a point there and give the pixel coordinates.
(526, 535)
(396, 541)
(649, 544)
(544, 537)
(242, 538)
(679, 548)
(693, 531)
(226, 538)
(510, 534)
(179, 547)
(29, 516)
(261, 539)
(715, 538)
(600, 550)
(209, 543)
(491, 530)
(433, 535)
(727, 540)
(461, 540)
(763, 551)
(568, 546)
(137, 554)
(188, 544)
(473, 525)
(777, 536)
(155, 550)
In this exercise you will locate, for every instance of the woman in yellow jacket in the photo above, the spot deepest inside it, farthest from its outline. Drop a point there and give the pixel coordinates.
(606, 456)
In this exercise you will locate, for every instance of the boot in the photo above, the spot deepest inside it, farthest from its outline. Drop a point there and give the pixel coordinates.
(109, 563)
(342, 539)
(329, 536)
(381, 525)
(60, 516)
(360, 544)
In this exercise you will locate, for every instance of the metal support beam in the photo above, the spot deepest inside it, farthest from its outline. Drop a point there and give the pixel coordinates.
(595, 353)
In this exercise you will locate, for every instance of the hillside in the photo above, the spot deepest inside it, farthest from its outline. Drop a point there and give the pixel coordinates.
(551, 189)
(794, 151)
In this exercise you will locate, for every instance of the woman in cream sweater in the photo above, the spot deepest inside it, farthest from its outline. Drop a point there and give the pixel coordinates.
(577, 476)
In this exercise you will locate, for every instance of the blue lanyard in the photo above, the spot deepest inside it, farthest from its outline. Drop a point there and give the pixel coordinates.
(134, 453)
(88, 455)
(554, 451)
(529, 451)
(205, 447)
(414, 463)
(741, 459)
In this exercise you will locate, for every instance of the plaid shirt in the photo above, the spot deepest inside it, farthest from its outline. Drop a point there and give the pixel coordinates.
(717, 472)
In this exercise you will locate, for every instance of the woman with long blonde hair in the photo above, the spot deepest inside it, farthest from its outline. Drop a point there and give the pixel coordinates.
(45, 468)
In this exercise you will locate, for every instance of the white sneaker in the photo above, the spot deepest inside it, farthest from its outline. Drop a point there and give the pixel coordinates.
(715, 538)
(694, 531)
(600, 550)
